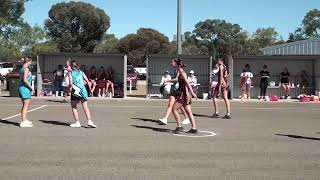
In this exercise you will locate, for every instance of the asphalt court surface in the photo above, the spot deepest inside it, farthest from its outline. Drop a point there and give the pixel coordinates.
(261, 141)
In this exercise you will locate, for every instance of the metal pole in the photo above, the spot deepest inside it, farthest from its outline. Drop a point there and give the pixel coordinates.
(125, 60)
(179, 42)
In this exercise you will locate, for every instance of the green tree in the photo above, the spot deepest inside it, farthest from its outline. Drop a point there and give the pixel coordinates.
(27, 36)
(44, 47)
(192, 46)
(266, 37)
(8, 52)
(10, 16)
(217, 37)
(76, 26)
(310, 27)
(26, 40)
(108, 44)
(145, 41)
(311, 24)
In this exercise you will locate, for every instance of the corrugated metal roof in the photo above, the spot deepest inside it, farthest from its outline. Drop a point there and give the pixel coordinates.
(291, 43)
(304, 47)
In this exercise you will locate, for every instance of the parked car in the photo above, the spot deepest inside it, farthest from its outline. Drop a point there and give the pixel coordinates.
(16, 74)
(133, 76)
(142, 71)
(5, 68)
(17, 67)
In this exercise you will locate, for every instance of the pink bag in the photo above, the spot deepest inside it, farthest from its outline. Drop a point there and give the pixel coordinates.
(305, 99)
(273, 98)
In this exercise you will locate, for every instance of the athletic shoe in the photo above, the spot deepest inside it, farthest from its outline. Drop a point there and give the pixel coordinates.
(99, 95)
(192, 131)
(75, 125)
(227, 116)
(28, 122)
(25, 124)
(104, 95)
(91, 124)
(215, 115)
(178, 130)
(163, 121)
(186, 121)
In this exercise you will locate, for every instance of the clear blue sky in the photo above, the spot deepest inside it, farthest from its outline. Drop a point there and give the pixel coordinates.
(129, 15)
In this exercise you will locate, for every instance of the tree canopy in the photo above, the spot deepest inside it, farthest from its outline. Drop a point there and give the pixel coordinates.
(108, 44)
(145, 41)
(215, 37)
(10, 16)
(76, 26)
(310, 27)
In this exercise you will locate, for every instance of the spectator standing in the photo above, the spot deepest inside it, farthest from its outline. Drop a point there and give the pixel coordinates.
(264, 81)
(58, 76)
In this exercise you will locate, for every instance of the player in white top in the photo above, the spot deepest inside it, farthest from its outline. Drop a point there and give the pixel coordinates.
(193, 81)
(65, 82)
(165, 88)
(247, 76)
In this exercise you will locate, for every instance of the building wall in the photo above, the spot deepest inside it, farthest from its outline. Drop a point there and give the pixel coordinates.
(275, 64)
(49, 62)
(157, 65)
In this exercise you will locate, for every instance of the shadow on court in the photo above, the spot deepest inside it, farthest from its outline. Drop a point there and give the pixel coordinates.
(200, 115)
(57, 123)
(56, 101)
(146, 120)
(9, 122)
(299, 137)
(154, 129)
(149, 120)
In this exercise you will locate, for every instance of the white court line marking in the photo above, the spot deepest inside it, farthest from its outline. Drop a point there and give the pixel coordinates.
(210, 134)
(28, 111)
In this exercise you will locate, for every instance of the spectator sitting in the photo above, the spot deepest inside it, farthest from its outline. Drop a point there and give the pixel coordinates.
(102, 83)
(110, 80)
(1, 79)
(193, 81)
(285, 83)
(93, 79)
(84, 70)
(304, 81)
(165, 88)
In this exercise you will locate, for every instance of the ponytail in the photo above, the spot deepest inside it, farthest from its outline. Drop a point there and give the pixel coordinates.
(179, 62)
(75, 65)
(27, 59)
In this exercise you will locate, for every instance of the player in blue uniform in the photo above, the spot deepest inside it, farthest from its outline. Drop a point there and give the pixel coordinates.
(25, 90)
(79, 94)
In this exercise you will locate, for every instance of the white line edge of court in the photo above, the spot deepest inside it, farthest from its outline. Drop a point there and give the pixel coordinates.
(210, 134)
(10, 117)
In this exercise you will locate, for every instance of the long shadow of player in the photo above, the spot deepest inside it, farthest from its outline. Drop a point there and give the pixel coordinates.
(200, 115)
(58, 123)
(148, 120)
(9, 122)
(299, 137)
(154, 129)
